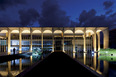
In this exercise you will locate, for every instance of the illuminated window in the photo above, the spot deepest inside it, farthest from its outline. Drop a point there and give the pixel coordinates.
(47, 31)
(36, 31)
(57, 31)
(78, 31)
(90, 31)
(26, 31)
(4, 31)
(68, 32)
(25, 42)
(15, 31)
(14, 42)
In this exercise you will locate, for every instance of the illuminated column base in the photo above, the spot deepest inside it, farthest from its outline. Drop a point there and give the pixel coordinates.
(74, 54)
(63, 44)
(31, 40)
(53, 46)
(42, 40)
(84, 41)
(52, 40)
(20, 51)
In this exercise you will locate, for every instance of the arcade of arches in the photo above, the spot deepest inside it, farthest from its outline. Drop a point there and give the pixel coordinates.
(66, 39)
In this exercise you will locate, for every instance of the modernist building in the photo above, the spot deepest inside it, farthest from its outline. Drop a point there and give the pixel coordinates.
(66, 39)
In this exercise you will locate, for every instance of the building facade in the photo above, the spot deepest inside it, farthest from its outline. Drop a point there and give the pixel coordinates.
(66, 39)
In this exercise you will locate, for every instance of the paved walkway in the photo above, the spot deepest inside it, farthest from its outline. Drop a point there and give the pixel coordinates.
(58, 64)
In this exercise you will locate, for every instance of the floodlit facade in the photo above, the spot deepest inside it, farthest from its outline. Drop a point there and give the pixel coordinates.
(66, 39)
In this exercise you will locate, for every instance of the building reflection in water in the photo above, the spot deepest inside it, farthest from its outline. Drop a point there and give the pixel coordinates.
(20, 65)
(106, 69)
(31, 60)
(95, 61)
(14, 67)
(91, 60)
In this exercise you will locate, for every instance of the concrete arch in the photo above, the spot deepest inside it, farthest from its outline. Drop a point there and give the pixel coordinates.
(3, 31)
(98, 30)
(36, 31)
(15, 31)
(57, 31)
(68, 32)
(90, 31)
(79, 31)
(47, 31)
(26, 31)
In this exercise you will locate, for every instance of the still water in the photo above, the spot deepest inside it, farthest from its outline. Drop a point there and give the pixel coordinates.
(14, 67)
(104, 65)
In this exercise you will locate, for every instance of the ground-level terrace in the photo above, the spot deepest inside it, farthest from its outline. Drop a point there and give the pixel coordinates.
(66, 39)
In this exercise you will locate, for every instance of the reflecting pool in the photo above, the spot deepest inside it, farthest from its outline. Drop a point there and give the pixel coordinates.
(104, 65)
(14, 67)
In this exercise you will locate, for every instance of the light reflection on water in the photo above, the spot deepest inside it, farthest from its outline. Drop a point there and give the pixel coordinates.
(14, 67)
(105, 66)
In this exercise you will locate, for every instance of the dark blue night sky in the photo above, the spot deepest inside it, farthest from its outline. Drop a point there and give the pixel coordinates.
(58, 13)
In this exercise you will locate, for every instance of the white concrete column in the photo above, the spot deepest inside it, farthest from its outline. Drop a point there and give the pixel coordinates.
(91, 42)
(42, 40)
(31, 40)
(106, 38)
(20, 40)
(4, 45)
(52, 40)
(63, 41)
(0, 45)
(95, 40)
(84, 40)
(74, 43)
(98, 34)
(9, 37)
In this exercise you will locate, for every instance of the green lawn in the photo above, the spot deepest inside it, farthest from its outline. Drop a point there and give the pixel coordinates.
(107, 54)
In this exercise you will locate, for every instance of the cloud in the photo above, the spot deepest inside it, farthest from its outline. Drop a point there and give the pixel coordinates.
(85, 16)
(108, 4)
(74, 24)
(109, 11)
(52, 15)
(28, 17)
(4, 4)
(91, 19)
(7, 21)
(112, 18)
